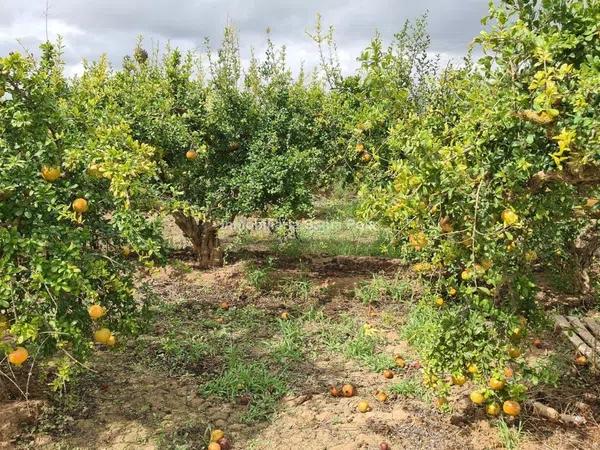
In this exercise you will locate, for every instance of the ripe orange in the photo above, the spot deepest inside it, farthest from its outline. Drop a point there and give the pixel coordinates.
(511, 408)
(95, 171)
(363, 406)
(496, 384)
(509, 217)
(191, 155)
(285, 315)
(381, 396)
(216, 435)
(581, 360)
(466, 275)
(80, 205)
(452, 292)
(96, 312)
(472, 369)
(441, 401)
(477, 397)
(530, 256)
(213, 446)
(493, 409)
(102, 335)
(18, 356)
(400, 362)
(439, 302)
(112, 341)
(348, 390)
(50, 173)
(387, 373)
(459, 380)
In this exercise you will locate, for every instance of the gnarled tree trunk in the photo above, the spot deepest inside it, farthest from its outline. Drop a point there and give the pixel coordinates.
(583, 250)
(203, 235)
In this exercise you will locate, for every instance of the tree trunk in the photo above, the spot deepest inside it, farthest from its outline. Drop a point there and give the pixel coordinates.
(583, 250)
(203, 236)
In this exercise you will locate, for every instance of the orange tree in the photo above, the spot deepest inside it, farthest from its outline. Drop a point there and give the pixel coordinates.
(230, 144)
(491, 173)
(71, 201)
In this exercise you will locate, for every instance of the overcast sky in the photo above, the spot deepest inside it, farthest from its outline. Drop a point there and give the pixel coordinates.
(93, 27)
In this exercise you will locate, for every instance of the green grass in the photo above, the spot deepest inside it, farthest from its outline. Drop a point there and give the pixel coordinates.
(509, 435)
(383, 289)
(355, 341)
(259, 277)
(289, 343)
(411, 387)
(263, 387)
(338, 238)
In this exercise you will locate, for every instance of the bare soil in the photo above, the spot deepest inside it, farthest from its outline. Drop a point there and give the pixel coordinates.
(128, 403)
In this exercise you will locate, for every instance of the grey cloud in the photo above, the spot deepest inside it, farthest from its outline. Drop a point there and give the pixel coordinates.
(111, 26)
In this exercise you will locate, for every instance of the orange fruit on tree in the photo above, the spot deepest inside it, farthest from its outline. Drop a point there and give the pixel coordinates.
(50, 173)
(472, 368)
(492, 409)
(94, 171)
(387, 373)
(18, 356)
(514, 352)
(477, 397)
(452, 292)
(360, 148)
(102, 335)
(509, 217)
(348, 390)
(466, 275)
(216, 435)
(285, 315)
(96, 312)
(496, 384)
(363, 406)
(191, 154)
(80, 205)
(511, 408)
(439, 301)
(459, 379)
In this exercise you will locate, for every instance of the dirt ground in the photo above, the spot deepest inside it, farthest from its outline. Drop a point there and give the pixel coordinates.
(148, 393)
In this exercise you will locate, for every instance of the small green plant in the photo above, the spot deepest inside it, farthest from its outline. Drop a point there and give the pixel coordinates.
(382, 289)
(259, 277)
(289, 345)
(356, 341)
(410, 387)
(252, 380)
(509, 435)
(297, 289)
